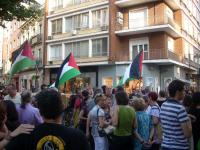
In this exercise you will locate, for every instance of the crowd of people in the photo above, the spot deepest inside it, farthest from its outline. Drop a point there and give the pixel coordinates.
(101, 119)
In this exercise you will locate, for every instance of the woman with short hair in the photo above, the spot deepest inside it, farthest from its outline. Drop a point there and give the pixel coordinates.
(27, 113)
(124, 120)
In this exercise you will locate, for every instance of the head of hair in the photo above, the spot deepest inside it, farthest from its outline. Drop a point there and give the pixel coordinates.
(153, 96)
(145, 98)
(85, 93)
(12, 86)
(97, 91)
(2, 113)
(139, 104)
(43, 86)
(103, 87)
(12, 115)
(196, 99)
(25, 98)
(122, 98)
(119, 89)
(99, 97)
(162, 94)
(50, 103)
(11, 110)
(175, 86)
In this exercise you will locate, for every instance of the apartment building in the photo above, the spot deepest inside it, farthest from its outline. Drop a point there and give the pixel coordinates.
(80, 27)
(11, 42)
(32, 30)
(105, 36)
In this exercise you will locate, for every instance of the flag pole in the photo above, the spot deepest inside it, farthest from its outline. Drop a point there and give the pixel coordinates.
(140, 83)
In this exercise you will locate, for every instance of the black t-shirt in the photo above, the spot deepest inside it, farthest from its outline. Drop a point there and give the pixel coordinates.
(50, 137)
(195, 125)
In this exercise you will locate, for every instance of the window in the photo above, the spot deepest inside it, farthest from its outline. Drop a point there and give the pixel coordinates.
(55, 52)
(186, 49)
(100, 47)
(57, 26)
(75, 2)
(79, 49)
(100, 18)
(170, 44)
(137, 18)
(136, 45)
(169, 13)
(58, 4)
(77, 22)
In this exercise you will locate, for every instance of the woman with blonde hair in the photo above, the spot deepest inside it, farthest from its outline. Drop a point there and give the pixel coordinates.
(142, 132)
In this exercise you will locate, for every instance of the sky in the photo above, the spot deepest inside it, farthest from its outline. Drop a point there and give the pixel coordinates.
(40, 1)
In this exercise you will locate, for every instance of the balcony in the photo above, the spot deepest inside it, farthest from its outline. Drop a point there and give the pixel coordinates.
(174, 4)
(160, 57)
(190, 62)
(37, 39)
(148, 25)
(127, 3)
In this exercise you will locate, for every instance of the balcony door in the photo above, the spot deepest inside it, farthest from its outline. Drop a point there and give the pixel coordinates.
(137, 18)
(136, 45)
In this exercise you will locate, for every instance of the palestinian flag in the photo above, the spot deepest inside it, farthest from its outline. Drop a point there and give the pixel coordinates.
(24, 60)
(67, 71)
(134, 70)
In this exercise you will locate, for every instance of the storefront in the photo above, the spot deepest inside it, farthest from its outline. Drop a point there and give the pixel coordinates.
(89, 76)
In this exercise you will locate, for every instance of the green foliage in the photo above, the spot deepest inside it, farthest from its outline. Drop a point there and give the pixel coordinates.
(18, 9)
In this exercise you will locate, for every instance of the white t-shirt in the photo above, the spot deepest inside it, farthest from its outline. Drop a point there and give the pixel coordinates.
(16, 99)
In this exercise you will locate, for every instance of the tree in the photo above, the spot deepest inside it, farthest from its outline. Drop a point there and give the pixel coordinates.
(18, 9)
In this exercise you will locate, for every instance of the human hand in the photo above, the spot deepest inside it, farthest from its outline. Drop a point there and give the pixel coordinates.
(23, 128)
(146, 144)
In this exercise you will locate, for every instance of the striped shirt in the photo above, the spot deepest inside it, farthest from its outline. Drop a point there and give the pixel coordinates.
(172, 115)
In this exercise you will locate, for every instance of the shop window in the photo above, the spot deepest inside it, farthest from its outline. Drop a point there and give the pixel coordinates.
(108, 81)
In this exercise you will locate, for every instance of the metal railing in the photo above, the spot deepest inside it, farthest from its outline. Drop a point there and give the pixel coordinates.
(161, 53)
(153, 54)
(147, 22)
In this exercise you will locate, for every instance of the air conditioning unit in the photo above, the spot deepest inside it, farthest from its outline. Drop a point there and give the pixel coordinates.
(104, 28)
(51, 12)
(50, 37)
(119, 15)
(74, 32)
(120, 21)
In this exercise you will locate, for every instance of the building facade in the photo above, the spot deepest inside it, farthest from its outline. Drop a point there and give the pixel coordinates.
(105, 36)
(11, 42)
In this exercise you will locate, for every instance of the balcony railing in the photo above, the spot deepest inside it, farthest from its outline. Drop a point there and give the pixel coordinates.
(174, 4)
(155, 54)
(147, 22)
(161, 53)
